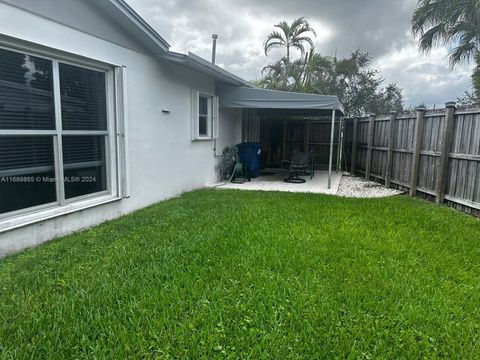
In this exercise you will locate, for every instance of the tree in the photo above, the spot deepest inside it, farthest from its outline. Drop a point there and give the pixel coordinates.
(449, 22)
(389, 99)
(467, 99)
(283, 76)
(276, 76)
(318, 73)
(476, 78)
(357, 85)
(453, 23)
(290, 36)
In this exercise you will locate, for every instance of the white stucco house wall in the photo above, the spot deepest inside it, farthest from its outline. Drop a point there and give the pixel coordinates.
(99, 119)
(151, 147)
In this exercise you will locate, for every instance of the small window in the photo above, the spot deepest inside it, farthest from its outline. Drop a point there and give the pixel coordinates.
(205, 119)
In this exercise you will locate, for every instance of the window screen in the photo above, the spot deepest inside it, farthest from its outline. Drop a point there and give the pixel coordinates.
(26, 92)
(84, 105)
(27, 175)
(84, 165)
(203, 116)
(83, 110)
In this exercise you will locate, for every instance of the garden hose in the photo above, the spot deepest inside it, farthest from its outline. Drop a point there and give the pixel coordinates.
(235, 169)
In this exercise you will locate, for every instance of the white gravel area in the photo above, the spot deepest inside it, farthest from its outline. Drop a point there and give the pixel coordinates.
(352, 186)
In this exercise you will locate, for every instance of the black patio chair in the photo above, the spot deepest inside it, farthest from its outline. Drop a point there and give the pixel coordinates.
(301, 165)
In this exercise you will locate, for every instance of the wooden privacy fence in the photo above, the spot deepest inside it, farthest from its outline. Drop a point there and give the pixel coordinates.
(435, 154)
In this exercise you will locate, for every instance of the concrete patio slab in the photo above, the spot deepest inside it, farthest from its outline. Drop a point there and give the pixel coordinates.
(274, 182)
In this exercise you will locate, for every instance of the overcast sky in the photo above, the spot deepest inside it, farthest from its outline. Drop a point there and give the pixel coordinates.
(379, 27)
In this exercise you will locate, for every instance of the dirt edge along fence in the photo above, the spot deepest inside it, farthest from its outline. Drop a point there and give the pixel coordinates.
(434, 154)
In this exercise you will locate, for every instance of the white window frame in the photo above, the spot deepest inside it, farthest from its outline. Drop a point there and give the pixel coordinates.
(212, 116)
(116, 166)
(208, 116)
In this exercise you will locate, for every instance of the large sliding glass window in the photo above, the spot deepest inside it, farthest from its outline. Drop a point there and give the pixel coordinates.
(53, 132)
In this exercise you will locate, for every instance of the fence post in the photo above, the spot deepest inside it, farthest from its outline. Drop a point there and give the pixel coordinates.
(371, 128)
(445, 150)
(305, 136)
(342, 144)
(391, 140)
(354, 146)
(417, 146)
(339, 146)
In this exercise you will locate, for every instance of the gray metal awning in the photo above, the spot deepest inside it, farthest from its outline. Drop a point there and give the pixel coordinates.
(241, 97)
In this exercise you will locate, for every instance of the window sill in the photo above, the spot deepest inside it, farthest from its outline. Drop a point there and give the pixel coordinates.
(202, 139)
(43, 215)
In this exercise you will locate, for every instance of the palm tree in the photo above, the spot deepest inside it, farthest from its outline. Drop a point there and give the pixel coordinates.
(476, 77)
(455, 23)
(283, 75)
(276, 76)
(277, 69)
(290, 36)
(317, 71)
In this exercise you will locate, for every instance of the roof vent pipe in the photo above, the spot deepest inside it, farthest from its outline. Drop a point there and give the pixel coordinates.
(214, 47)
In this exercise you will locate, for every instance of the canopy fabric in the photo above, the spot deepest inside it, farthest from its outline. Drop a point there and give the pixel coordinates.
(257, 98)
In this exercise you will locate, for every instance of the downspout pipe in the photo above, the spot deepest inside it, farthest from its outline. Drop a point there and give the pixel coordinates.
(214, 53)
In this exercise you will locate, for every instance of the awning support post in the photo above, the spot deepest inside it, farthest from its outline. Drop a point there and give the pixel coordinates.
(330, 161)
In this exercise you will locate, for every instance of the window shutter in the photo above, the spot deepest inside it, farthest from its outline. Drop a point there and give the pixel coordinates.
(122, 133)
(195, 114)
(215, 117)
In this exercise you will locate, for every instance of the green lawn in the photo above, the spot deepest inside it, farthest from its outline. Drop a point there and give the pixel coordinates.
(228, 274)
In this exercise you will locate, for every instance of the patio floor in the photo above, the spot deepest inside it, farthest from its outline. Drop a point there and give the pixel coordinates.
(274, 182)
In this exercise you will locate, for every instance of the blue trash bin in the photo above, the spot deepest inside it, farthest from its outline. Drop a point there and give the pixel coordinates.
(249, 154)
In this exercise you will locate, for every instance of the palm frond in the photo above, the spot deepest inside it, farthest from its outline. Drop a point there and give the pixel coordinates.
(430, 13)
(273, 45)
(303, 39)
(462, 31)
(299, 46)
(283, 25)
(462, 53)
(290, 36)
(274, 39)
(432, 37)
(448, 22)
(300, 26)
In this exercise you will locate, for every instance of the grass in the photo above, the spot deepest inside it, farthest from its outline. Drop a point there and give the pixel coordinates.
(227, 274)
